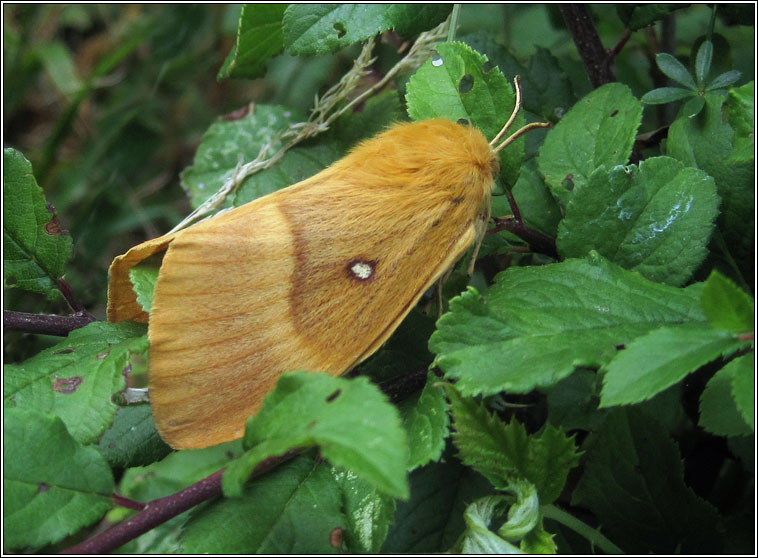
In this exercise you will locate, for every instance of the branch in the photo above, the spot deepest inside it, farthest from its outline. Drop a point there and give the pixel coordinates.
(596, 59)
(539, 242)
(159, 511)
(45, 324)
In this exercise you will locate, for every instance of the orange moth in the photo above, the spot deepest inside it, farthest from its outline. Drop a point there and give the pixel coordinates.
(313, 277)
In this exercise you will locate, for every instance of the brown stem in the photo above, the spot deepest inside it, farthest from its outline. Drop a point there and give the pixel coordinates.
(596, 59)
(161, 510)
(45, 324)
(68, 294)
(539, 242)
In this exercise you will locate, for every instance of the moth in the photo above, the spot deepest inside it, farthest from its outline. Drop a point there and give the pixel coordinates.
(312, 277)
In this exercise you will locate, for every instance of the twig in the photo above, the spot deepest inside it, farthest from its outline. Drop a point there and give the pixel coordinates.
(596, 59)
(45, 324)
(68, 294)
(159, 511)
(538, 241)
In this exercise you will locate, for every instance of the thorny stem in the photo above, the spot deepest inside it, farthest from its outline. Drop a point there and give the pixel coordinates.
(319, 121)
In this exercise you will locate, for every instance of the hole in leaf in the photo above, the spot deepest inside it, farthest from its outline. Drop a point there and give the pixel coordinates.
(333, 396)
(11, 281)
(339, 27)
(464, 122)
(568, 182)
(64, 351)
(614, 113)
(466, 84)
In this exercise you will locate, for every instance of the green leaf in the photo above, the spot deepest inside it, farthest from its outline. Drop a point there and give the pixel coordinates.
(656, 218)
(52, 485)
(411, 19)
(350, 420)
(432, 520)
(227, 144)
(259, 37)
(504, 453)
(523, 514)
(741, 115)
(726, 306)
(132, 440)
(664, 95)
(36, 249)
(655, 361)
(703, 62)
(426, 422)
(742, 370)
(708, 142)
(726, 408)
(303, 506)
(637, 16)
(724, 80)
(634, 484)
(76, 378)
(538, 207)
(369, 513)
(478, 539)
(545, 321)
(144, 276)
(572, 402)
(322, 28)
(674, 69)
(598, 130)
(693, 107)
(454, 85)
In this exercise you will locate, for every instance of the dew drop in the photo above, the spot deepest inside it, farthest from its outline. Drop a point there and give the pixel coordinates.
(437, 61)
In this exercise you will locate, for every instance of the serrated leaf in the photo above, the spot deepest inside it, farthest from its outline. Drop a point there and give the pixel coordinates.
(598, 130)
(426, 422)
(656, 218)
(724, 409)
(259, 37)
(36, 249)
(454, 85)
(76, 378)
(410, 19)
(674, 69)
(52, 485)
(504, 453)
(369, 514)
(143, 277)
(742, 370)
(350, 420)
(227, 144)
(132, 440)
(727, 306)
(545, 321)
(665, 95)
(707, 142)
(538, 207)
(322, 28)
(633, 483)
(478, 539)
(741, 115)
(655, 361)
(303, 506)
(432, 520)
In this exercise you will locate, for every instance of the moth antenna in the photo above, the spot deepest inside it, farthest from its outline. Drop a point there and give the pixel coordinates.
(514, 114)
(520, 132)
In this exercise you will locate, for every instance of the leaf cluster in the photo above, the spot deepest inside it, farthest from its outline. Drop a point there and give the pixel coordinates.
(568, 401)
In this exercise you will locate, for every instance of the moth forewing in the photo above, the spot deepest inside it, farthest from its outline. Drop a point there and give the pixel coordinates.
(313, 277)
